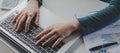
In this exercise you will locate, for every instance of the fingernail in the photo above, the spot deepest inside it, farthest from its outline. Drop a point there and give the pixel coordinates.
(43, 44)
(17, 30)
(36, 37)
(12, 21)
(14, 27)
(37, 24)
(36, 43)
(25, 31)
(52, 47)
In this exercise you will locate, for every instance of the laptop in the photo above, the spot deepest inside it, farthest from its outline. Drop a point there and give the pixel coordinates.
(24, 42)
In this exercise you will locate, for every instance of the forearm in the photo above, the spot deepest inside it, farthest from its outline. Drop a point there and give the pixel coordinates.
(100, 19)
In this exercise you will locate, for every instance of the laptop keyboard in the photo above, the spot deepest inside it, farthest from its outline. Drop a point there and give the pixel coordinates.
(28, 38)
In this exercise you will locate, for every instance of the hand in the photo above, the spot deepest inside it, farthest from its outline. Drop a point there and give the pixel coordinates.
(60, 31)
(31, 11)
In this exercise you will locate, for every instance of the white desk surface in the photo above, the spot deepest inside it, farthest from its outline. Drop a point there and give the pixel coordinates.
(65, 9)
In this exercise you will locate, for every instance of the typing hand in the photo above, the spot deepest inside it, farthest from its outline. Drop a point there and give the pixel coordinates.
(57, 31)
(31, 11)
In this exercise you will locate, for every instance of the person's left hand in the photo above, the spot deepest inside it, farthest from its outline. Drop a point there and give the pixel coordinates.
(60, 31)
(25, 17)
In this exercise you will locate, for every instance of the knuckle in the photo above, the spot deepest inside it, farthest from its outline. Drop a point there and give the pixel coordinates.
(30, 14)
(38, 14)
(25, 13)
(62, 37)
(27, 23)
(49, 27)
(21, 21)
(38, 17)
(56, 32)
(22, 12)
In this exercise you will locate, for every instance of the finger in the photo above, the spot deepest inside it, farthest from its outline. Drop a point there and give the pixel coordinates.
(37, 19)
(50, 39)
(27, 25)
(15, 18)
(21, 22)
(47, 30)
(45, 37)
(57, 42)
(17, 21)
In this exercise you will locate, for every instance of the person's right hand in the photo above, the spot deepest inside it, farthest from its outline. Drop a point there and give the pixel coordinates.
(57, 32)
(26, 15)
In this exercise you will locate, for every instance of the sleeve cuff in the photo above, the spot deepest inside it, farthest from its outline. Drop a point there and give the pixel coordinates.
(82, 27)
(105, 1)
(40, 2)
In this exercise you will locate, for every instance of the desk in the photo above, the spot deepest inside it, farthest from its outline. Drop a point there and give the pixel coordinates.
(66, 9)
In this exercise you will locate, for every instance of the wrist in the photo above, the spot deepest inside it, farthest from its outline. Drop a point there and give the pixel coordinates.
(33, 2)
(74, 24)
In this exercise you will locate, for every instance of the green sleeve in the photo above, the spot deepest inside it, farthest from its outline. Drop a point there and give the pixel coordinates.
(40, 2)
(106, 1)
(104, 17)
